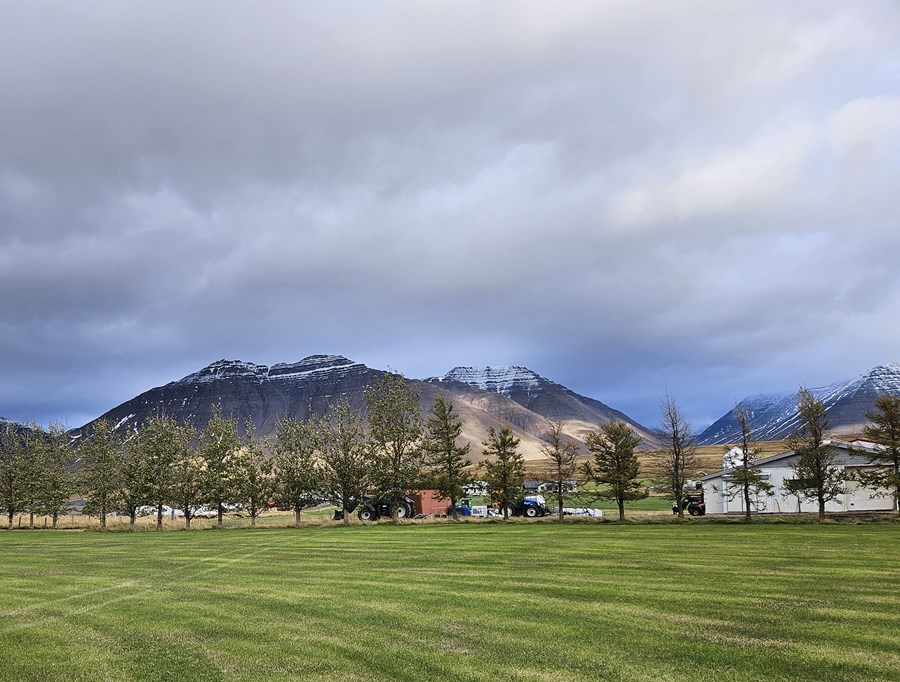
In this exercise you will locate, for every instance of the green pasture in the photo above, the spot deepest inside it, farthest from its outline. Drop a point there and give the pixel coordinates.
(455, 601)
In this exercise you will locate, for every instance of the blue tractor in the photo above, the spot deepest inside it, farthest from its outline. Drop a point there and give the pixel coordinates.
(531, 506)
(463, 507)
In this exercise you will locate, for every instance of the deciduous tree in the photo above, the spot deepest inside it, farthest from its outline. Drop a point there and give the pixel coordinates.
(99, 477)
(562, 454)
(672, 466)
(133, 477)
(57, 481)
(615, 466)
(346, 463)
(218, 441)
(396, 434)
(298, 473)
(815, 473)
(504, 468)
(32, 472)
(13, 457)
(251, 471)
(446, 459)
(743, 479)
(188, 479)
(162, 440)
(884, 431)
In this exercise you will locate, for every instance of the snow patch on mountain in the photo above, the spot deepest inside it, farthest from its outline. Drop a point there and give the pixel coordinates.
(226, 369)
(238, 369)
(774, 415)
(314, 363)
(503, 379)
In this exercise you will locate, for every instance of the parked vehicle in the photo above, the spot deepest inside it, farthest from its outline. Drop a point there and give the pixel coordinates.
(463, 507)
(692, 504)
(417, 504)
(373, 509)
(531, 506)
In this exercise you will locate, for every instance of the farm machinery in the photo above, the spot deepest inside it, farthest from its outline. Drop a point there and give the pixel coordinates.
(427, 503)
(531, 506)
(373, 508)
(692, 504)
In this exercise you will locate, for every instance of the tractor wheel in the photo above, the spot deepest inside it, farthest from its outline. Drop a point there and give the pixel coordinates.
(531, 512)
(366, 514)
(694, 512)
(402, 511)
(509, 512)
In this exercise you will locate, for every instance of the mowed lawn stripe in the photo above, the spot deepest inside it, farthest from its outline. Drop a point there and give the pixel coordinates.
(454, 601)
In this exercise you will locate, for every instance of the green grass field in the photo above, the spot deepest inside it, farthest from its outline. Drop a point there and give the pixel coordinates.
(469, 601)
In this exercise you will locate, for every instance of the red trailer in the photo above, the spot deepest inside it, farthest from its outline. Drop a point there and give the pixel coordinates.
(429, 502)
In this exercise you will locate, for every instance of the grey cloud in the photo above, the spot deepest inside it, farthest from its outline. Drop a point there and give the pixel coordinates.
(627, 197)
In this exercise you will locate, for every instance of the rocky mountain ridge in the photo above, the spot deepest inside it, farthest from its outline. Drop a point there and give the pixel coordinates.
(263, 394)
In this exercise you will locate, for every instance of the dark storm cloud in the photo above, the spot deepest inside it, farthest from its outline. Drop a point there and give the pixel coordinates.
(629, 197)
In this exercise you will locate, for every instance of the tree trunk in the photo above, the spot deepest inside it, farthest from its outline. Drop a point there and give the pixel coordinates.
(297, 517)
(746, 500)
(55, 519)
(159, 515)
(621, 502)
(10, 514)
(102, 519)
(220, 511)
(345, 503)
(131, 520)
(454, 514)
(31, 520)
(252, 518)
(897, 494)
(187, 521)
(821, 506)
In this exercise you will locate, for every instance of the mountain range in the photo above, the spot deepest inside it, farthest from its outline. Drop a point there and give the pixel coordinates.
(488, 397)
(774, 416)
(484, 398)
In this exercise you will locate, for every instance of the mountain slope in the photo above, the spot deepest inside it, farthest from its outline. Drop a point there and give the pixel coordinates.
(306, 388)
(774, 416)
(538, 395)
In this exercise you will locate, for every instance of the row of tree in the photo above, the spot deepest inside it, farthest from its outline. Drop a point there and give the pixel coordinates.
(345, 457)
(340, 458)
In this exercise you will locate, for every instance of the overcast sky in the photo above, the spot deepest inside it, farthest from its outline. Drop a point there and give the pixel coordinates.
(627, 197)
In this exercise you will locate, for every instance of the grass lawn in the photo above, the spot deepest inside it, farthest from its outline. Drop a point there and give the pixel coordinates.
(468, 601)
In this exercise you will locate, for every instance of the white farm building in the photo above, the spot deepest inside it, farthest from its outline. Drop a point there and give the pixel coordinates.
(778, 471)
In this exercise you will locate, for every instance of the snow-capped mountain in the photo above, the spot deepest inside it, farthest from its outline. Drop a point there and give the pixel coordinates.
(246, 390)
(263, 394)
(541, 396)
(774, 415)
